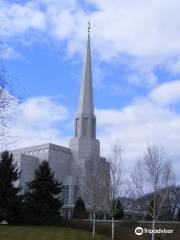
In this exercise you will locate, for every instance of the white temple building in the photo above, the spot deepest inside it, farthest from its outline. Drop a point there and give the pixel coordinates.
(83, 147)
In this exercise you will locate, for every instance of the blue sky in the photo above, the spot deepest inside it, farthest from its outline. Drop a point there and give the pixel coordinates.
(136, 70)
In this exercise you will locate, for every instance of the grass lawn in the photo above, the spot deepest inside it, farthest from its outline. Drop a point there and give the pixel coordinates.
(44, 233)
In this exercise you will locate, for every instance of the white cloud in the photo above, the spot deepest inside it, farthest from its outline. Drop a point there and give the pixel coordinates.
(19, 18)
(148, 30)
(148, 79)
(25, 137)
(141, 36)
(138, 125)
(41, 111)
(139, 28)
(167, 93)
(35, 123)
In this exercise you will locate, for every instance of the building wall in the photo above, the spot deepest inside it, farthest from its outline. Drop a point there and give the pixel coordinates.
(83, 149)
(40, 151)
(60, 159)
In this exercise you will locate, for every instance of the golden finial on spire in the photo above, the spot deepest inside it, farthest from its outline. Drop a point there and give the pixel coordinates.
(89, 26)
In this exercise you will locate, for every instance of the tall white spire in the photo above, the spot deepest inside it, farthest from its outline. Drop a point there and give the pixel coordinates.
(86, 92)
(84, 144)
(85, 122)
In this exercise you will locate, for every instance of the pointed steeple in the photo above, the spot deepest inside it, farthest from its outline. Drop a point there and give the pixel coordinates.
(86, 92)
(85, 122)
(84, 144)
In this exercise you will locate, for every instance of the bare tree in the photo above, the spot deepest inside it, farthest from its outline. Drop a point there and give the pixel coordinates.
(89, 183)
(114, 178)
(8, 100)
(152, 179)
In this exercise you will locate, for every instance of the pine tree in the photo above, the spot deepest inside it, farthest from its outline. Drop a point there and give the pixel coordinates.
(9, 199)
(42, 201)
(119, 211)
(79, 209)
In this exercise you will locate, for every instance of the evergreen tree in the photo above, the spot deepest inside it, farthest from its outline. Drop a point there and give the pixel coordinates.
(42, 201)
(119, 211)
(9, 199)
(79, 209)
